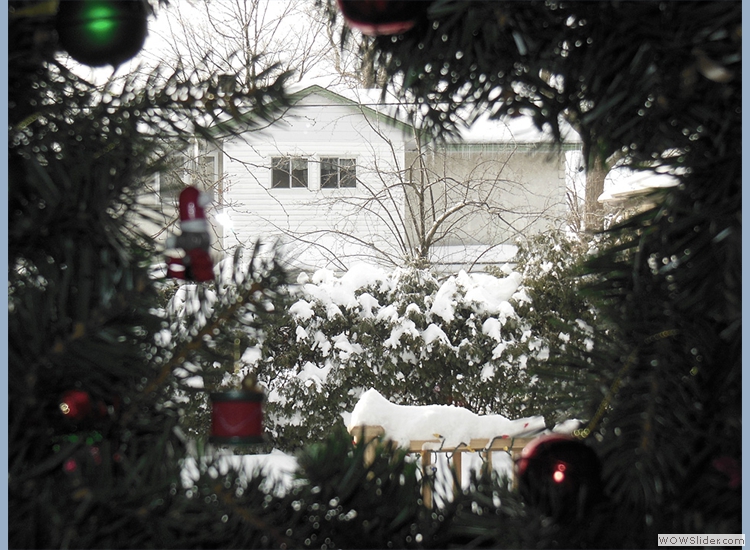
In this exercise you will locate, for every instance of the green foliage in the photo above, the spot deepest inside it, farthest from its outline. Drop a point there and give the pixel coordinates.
(658, 83)
(83, 303)
(350, 502)
(679, 360)
(561, 314)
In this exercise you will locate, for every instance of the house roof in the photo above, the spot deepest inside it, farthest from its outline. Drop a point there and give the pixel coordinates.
(300, 92)
(510, 130)
(520, 129)
(361, 99)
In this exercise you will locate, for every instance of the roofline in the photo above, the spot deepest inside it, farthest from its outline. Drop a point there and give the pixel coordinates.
(317, 88)
(295, 97)
(541, 146)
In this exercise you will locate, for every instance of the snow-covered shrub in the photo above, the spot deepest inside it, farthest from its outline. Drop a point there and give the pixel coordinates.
(560, 316)
(472, 340)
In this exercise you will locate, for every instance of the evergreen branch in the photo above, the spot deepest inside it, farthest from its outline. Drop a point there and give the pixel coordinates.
(614, 388)
(196, 342)
(250, 518)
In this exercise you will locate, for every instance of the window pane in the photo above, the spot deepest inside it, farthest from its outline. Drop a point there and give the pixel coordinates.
(328, 173)
(299, 172)
(207, 168)
(348, 172)
(280, 172)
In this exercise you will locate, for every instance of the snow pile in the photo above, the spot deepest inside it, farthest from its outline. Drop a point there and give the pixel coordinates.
(452, 425)
(516, 130)
(333, 293)
(407, 334)
(277, 468)
(623, 184)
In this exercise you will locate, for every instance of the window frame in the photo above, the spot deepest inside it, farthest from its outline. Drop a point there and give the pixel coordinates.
(342, 172)
(296, 177)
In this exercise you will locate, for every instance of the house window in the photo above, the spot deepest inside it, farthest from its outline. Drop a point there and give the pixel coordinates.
(288, 172)
(338, 173)
(207, 169)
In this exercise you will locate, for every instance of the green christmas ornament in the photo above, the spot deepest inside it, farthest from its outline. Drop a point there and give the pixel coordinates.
(102, 32)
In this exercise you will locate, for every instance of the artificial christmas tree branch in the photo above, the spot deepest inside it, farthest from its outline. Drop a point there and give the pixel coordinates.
(243, 300)
(248, 517)
(612, 392)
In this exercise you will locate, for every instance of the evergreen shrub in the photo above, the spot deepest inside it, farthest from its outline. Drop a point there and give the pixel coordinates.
(484, 341)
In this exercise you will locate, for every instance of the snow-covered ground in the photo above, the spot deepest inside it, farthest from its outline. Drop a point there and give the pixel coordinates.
(278, 468)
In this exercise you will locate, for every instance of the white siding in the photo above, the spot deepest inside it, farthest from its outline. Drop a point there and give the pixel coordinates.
(509, 191)
(526, 179)
(316, 127)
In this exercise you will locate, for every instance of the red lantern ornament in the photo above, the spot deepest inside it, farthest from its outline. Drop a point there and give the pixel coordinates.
(237, 415)
(102, 32)
(196, 263)
(560, 476)
(382, 17)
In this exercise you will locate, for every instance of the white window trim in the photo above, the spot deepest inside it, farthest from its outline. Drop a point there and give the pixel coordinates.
(307, 187)
(338, 158)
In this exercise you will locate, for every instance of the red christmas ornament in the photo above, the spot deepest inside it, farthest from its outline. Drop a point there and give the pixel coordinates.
(76, 404)
(382, 17)
(560, 475)
(84, 461)
(237, 416)
(70, 466)
(196, 264)
(730, 467)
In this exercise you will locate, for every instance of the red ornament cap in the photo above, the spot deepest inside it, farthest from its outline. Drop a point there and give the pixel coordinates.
(193, 209)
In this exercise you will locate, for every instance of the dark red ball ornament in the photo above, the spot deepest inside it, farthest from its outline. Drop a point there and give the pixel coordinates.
(237, 416)
(382, 17)
(102, 32)
(75, 404)
(561, 476)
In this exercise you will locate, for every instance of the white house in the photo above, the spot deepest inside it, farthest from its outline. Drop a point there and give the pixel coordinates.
(301, 178)
(339, 180)
(515, 174)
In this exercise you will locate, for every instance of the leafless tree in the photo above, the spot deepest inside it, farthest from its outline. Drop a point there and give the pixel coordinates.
(405, 210)
(423, 202)
(259, 38)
